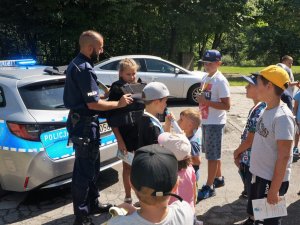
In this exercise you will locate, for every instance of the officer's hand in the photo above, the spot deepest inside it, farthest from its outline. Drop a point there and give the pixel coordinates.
(125, 100)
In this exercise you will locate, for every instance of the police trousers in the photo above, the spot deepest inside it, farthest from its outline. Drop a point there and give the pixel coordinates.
(85, 174)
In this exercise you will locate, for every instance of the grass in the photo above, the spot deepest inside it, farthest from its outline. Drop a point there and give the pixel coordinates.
(234, 73)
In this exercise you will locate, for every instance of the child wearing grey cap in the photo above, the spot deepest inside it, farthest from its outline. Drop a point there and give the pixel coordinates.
(155, 96)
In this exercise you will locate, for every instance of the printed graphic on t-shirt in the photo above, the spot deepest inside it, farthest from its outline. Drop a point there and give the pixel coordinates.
(260, 128)
(204, 109)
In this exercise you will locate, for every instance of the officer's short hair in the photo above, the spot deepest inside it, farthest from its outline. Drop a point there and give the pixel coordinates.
(128, 63)
(89, 37)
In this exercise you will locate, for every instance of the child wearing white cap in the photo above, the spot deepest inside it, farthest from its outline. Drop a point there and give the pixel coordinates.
(180, 146)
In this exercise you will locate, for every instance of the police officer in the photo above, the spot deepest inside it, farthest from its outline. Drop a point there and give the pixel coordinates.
(81, 96)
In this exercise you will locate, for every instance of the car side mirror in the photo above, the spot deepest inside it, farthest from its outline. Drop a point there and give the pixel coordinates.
(177, 71)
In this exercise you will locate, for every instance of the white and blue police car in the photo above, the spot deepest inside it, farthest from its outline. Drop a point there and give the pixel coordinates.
(34, 149)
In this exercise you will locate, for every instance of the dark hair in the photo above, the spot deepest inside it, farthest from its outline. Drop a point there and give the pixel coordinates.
(286, 57)
(183, 164)
(148, 102)
(278, 90)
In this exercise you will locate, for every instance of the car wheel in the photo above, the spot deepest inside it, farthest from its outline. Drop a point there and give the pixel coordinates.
(193, 92)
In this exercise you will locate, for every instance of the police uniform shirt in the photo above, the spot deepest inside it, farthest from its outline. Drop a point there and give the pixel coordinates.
(129, 132)
(148, 132)
(81, 86)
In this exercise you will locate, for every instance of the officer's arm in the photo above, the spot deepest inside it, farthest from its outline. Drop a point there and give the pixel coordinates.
(102, 105)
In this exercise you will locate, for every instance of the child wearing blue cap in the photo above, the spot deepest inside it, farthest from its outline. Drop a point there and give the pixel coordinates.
(242, 153)
(213, 103)
(271, 157)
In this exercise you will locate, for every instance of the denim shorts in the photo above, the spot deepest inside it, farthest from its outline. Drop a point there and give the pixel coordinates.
(212, 140)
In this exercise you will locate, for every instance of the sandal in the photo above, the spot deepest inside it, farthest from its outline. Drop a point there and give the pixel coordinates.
(137, 204)
(128, 200)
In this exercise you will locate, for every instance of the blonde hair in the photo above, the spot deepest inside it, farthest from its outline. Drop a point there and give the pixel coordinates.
(89, 37)
(128, 63)
(144, 195)
(193, 115)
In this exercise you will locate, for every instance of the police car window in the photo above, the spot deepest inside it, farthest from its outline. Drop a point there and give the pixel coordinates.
(157, 66)
(45, 96)
(2, 98)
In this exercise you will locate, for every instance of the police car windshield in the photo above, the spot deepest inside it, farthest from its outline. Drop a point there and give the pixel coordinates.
(43, 96)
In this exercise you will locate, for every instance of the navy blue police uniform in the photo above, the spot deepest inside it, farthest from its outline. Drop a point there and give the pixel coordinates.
(83, 127)
(126, 118)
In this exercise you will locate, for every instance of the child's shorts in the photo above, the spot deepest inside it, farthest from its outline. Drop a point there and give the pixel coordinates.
(212, 140)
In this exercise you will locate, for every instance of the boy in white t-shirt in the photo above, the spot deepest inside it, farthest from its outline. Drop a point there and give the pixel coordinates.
(213, 103)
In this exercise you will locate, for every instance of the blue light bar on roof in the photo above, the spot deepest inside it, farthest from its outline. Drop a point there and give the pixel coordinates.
(19, 62)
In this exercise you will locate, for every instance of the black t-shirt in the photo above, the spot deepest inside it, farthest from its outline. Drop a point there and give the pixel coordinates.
(128, 132)
(148, 132)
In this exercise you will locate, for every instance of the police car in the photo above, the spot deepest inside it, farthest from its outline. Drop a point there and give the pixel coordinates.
(34, 148)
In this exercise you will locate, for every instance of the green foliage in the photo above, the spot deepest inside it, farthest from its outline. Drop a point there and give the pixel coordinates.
(248, 32)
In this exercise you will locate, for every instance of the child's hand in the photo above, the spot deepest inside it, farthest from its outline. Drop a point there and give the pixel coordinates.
(170, 116)
(236, 154)
(202, 100)
(237, 162)
(122, 146)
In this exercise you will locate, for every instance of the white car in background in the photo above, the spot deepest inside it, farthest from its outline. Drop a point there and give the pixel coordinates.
(182, 83)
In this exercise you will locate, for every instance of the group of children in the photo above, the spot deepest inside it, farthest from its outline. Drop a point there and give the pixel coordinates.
(156, 143)
(165, 168)
(266, 151)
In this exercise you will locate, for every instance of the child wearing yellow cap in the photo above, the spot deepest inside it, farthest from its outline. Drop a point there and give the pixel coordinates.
(271, 158)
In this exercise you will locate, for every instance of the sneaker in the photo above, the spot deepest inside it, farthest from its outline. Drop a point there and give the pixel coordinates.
(128, 200)
(137, 204)
(84, 220)
(219, 183)
(296, 150)
(100, 208)
(249, 221)
(206, 192)
(244, 194)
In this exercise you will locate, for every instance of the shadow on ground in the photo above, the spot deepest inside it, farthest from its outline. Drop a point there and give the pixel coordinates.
(293, 217)
(227, 214)
(43, 200)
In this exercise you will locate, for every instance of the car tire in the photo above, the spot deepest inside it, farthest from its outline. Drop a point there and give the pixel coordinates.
(193, 92)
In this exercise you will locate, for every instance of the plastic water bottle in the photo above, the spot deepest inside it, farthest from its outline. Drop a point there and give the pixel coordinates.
(175, 125)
